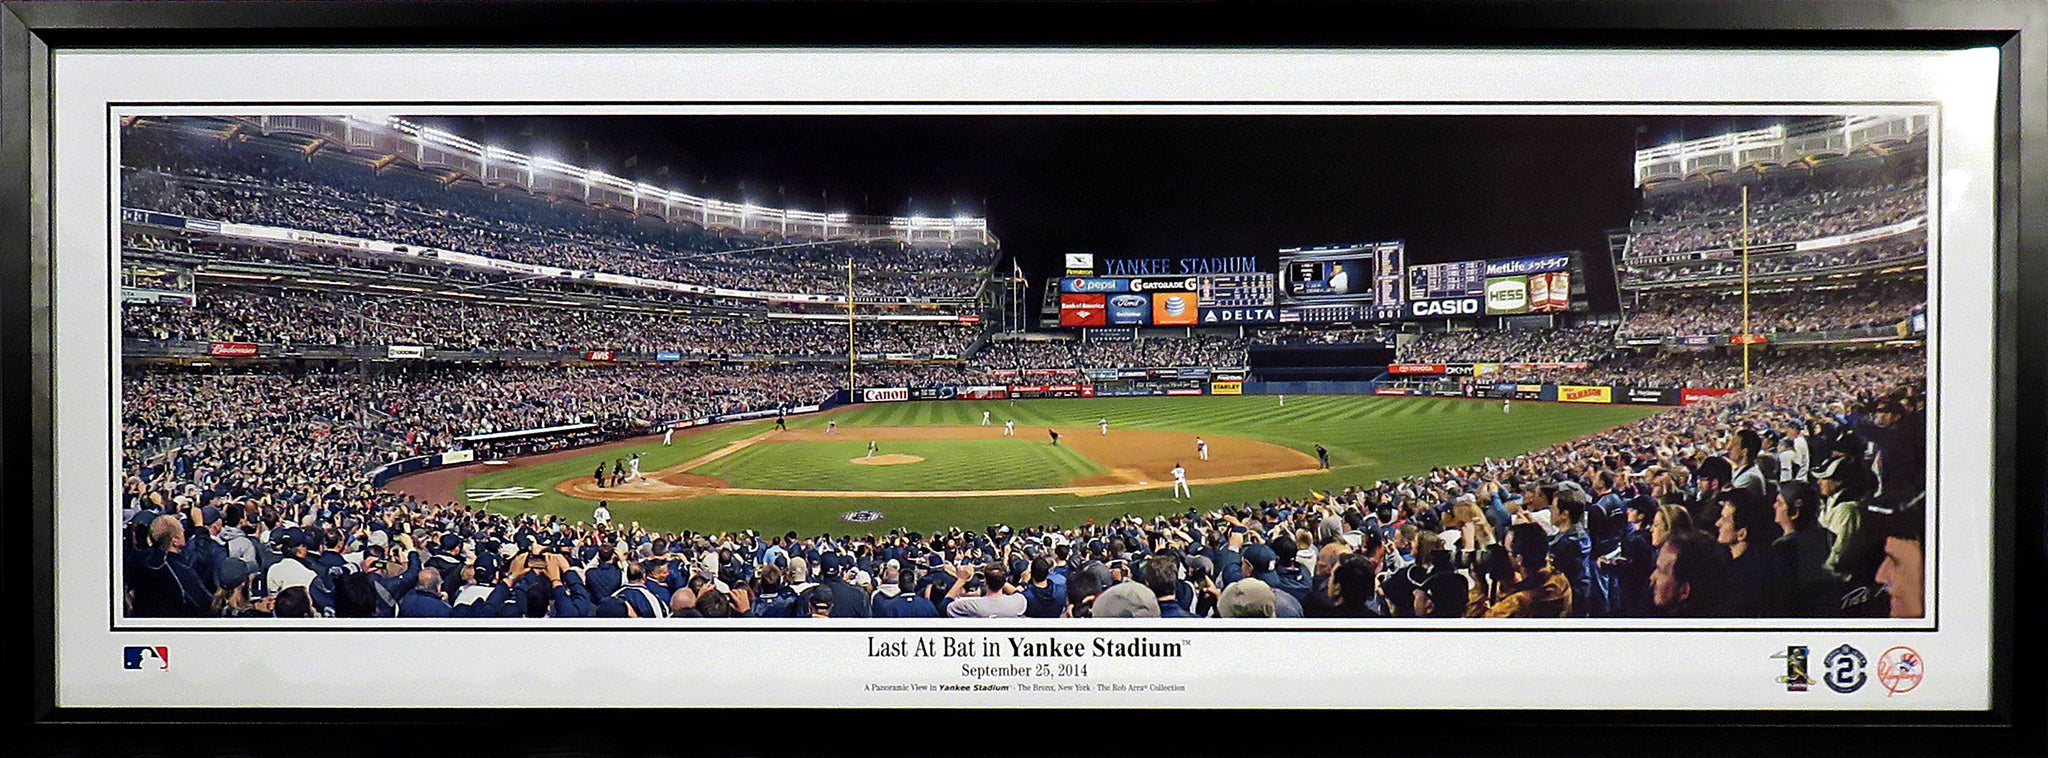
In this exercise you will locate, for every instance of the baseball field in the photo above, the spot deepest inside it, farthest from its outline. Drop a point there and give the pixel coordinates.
(935, 465)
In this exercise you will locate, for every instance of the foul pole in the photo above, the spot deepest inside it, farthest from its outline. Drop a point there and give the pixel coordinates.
(1745, 288)
(849, 330)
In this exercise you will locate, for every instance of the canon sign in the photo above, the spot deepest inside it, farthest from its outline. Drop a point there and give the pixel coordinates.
(1457, 306)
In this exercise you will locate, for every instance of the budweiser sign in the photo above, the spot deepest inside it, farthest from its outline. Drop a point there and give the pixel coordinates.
(231, 349)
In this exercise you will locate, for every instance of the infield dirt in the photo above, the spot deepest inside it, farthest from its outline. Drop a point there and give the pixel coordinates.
(1137, 459)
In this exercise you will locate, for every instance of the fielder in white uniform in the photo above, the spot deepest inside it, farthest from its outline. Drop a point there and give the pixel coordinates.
(668, 436)
(1009, 428)
(1202, 448)
(634, 463)
(1180, 482)
(871, 448)
(1105, 426)
(1504, 405)
(984, 418)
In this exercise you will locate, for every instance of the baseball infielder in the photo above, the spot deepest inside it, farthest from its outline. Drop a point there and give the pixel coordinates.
(1202, 448)
(1180, 482)
(871, 448)
(1104, 423)
(984, 418)
(1009, 428)
(831, 427)
(668, 436)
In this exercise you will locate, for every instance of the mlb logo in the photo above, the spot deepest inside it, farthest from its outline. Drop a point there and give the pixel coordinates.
(134, 657)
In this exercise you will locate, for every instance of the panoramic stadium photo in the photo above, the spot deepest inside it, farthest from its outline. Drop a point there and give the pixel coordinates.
(1594, 367)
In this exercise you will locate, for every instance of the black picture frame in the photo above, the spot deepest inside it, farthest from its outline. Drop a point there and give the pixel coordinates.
(30, 32)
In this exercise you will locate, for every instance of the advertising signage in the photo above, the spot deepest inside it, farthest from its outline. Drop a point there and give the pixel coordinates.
(1129, 309)
(1084, 310)
(1264, 315)
(1529, 264)
(1507, 295)
(1444, 308)
(1550, 293)
(1085, 284)
(1174, 309)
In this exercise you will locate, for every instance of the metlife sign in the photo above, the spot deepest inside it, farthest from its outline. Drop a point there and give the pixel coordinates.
(1444, 308)
(1530, 264)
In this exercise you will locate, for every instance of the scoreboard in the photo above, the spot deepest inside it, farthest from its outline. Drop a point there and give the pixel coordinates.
(1234, 290)
(1434, 281)
(1342, 282)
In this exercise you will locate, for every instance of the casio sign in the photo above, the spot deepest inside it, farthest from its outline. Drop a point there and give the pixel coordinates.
(1463, 306)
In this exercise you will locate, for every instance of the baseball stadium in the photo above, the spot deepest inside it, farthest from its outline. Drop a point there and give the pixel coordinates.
(401, 367)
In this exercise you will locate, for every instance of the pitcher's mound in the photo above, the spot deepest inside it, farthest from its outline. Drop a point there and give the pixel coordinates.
(891, 459)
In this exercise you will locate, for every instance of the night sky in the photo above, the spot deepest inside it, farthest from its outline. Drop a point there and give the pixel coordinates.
(1454, 188)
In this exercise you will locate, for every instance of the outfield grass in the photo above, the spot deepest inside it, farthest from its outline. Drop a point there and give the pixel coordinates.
(1369, 438)
(947, 465)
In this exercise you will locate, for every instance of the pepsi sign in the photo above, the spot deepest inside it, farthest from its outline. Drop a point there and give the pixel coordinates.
(1079, 284)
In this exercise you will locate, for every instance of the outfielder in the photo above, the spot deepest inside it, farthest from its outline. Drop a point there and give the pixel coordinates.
(1504, 405)
(668, 435)
(984, 418)
(1180, 482)
(1009, 428)
(1202, 448)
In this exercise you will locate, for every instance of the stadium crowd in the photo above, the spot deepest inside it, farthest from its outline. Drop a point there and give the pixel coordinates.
(1883, 303)
(1579, 343)
(1296, 335)
(1720, 367)
(1802, 497)
(247, 185)
(1905, 249)
(1780, 211)
(330, 317)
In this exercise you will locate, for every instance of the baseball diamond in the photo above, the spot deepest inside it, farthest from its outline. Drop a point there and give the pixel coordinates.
(749, 473)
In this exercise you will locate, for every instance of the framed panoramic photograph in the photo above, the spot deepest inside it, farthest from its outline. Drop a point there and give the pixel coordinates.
(1668, 370)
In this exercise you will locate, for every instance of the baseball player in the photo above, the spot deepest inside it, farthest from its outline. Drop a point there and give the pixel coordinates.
(871, 448)
(831, 427)
(984, 418)
(599, 476)
(603, 514)
(668, 435)
(1202, 448)
(1323, 456)
(1104, 423)
(634, 463)
(781, 423)
(1180, 482)
(1283, 401)
(1055, 437)
(1009, 428)
(1504, 404)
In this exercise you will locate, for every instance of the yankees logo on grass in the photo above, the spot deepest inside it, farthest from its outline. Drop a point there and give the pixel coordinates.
(502, 493)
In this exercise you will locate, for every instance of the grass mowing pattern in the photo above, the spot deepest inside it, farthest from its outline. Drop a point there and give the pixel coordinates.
(1369, 438)
(1009, 463)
